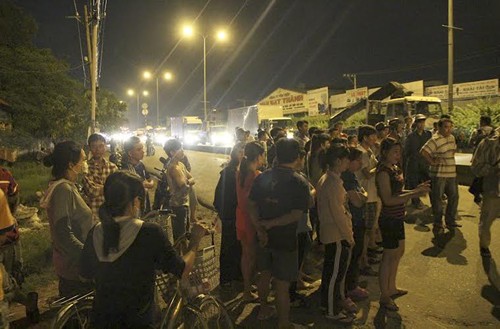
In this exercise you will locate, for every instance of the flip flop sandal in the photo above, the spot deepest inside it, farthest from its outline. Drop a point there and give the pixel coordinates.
(401, 292)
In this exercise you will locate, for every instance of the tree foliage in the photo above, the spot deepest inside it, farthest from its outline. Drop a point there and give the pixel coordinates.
(47, 101)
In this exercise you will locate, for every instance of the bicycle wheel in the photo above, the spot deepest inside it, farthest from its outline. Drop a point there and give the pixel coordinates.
(184, 317)
(74, 315)
(215, 313)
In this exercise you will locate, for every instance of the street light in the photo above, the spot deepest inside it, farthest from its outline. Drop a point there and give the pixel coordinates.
(221, 35)
(131, 93)
(166, 76)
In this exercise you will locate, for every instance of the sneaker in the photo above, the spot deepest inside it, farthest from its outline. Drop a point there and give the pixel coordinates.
(485, 252)
(368, 271)
(358, 294)
(341, 318)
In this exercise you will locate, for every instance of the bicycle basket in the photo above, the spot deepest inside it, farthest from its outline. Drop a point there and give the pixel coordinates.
(203, 277)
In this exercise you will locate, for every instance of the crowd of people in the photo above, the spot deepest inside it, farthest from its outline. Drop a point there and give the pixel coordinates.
(277, 198)
(346, 195)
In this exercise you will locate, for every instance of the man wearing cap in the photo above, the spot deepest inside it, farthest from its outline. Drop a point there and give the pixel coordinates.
(417, 169)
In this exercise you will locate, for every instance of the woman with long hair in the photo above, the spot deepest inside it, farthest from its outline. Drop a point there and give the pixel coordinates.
(225, 203)
(122, 254)
(336, 234)
(70, 218)
(253, 159)
(390, 183)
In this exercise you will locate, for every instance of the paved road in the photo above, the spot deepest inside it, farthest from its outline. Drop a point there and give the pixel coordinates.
(446, 279)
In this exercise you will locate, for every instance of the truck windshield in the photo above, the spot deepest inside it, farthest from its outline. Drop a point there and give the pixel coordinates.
(280, 123)
(427, 109)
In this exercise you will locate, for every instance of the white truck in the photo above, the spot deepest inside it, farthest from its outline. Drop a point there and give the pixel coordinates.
(258, 116)
(187, 129)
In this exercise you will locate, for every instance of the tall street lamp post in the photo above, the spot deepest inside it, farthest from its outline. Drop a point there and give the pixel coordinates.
(167, 76)
(131, 93)
(221, 35)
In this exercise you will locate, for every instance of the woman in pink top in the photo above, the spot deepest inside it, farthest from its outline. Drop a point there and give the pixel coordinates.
(253, 159)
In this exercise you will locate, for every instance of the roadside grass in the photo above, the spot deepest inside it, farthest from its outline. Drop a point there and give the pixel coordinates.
(31, 177)
(36, 244)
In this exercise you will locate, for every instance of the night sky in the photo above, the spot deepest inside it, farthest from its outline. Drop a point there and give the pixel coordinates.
(282, 43)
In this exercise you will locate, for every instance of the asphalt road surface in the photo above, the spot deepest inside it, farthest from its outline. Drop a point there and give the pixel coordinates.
(450, 285)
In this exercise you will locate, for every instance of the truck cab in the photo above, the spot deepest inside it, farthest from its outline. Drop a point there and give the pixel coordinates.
(404, 107)
(282, 122)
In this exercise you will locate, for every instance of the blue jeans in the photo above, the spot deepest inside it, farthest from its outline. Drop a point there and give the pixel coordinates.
(444, 186)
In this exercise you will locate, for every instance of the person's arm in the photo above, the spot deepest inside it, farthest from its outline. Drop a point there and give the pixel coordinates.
(292, 217)
(365, 169)
(177, 177)
(427, 150)
(253, 214)
(67, 240)
(481, 165)
(88, 259)
(358, 199)
(385, 191)
(92, 185)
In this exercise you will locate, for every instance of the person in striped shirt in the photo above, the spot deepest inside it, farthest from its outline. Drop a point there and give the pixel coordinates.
(439, 152)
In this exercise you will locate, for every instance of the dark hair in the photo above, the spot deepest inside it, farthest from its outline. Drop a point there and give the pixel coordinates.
(172, 145)
(316, 142)
(442, 121)
(261, 133)
(351, 137)
(386, 145)
(300, 123)
(96, 138)
(252, 151)
(354, 153)
(445, 116)
(120, 189)
(234, 160)
(334, 153)
(380, 126)
(365, 131)
(64, 154)
(287, 150)
(313, 130)
(275, 131)
(485, 120)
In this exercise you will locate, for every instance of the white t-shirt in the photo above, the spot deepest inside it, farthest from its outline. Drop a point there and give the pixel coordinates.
(369, 161)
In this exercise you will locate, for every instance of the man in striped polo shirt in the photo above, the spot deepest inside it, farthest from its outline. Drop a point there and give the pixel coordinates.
(439, 152)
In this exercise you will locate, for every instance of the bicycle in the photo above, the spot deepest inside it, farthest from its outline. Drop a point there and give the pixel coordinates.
(75, 311)
(198, 310)
(191, 303)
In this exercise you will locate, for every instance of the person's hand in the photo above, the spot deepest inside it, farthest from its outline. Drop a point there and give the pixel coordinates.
(197, 232)
(351, 242)
(266, 225)
(262, 236)
(191, 182)
(423, 189)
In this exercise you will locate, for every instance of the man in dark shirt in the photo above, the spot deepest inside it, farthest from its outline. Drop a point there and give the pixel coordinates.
(417, 169)
(277, 201)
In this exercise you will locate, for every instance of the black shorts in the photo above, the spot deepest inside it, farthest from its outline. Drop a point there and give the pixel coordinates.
(392, 230)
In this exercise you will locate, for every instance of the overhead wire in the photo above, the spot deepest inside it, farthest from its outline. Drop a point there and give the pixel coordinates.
(77, 18)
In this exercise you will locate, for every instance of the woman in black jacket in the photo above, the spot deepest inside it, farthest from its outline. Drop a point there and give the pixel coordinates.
(225, 202)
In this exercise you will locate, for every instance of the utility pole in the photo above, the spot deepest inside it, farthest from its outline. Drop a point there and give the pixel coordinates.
(450, 28)
(353, 78)
(92, 39)
(450, 56)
